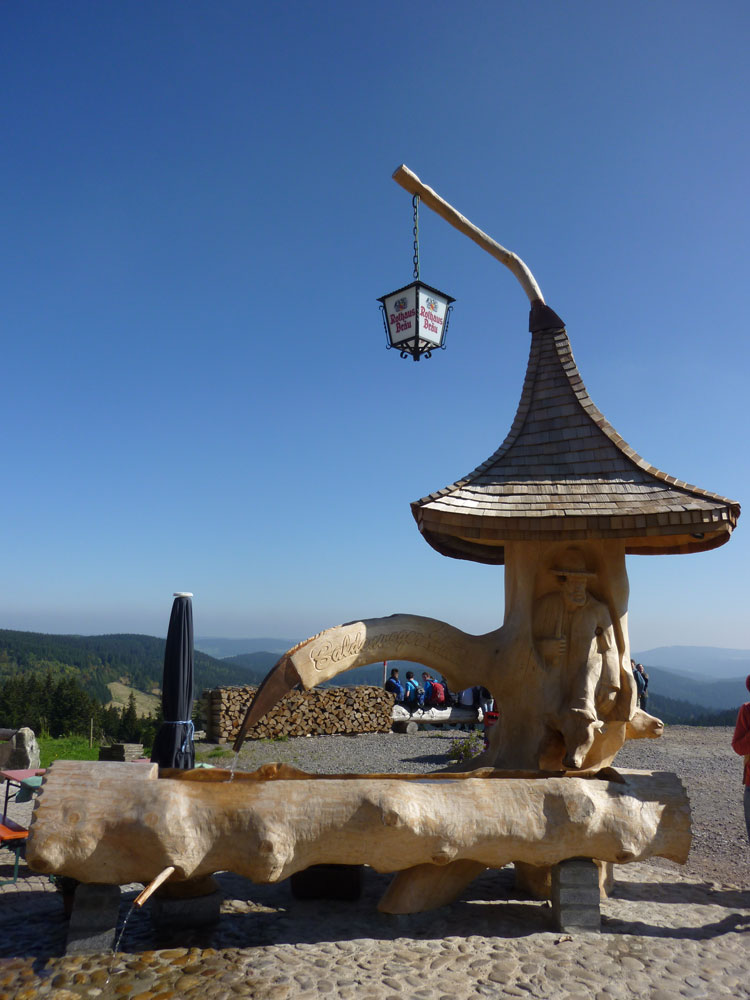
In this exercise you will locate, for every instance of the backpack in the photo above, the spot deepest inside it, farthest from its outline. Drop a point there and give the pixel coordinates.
(437, 694)
(411, 695)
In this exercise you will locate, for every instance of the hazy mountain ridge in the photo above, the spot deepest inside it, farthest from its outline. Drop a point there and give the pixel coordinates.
(715, 695)
(712, 676)
(711, 680)
(225, 649)
(256, 665)
(690, 694)
(675, 711)
(707, 662)
(259, 663)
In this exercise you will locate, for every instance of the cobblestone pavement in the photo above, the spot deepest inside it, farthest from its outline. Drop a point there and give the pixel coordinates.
(664, 935)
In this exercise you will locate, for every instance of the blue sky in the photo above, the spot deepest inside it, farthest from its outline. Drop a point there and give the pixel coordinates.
(198, 218)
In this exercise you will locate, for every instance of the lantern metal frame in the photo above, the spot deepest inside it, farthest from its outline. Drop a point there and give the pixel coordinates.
(421, 348)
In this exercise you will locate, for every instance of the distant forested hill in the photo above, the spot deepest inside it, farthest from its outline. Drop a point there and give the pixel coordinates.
(255, 665)
(225, 649)
(710, 695)
(676, 712)
(96, 660)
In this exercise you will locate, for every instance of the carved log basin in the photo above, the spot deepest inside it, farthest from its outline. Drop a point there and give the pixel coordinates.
(118, 823)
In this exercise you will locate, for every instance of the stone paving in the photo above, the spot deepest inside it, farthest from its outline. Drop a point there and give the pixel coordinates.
(664, 936)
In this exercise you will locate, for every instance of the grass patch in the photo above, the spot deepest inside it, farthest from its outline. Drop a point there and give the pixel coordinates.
(70, 748)
(65, 748)
(216, 752)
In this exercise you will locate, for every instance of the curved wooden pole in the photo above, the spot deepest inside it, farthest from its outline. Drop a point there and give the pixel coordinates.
(462, 658)
(411, 183)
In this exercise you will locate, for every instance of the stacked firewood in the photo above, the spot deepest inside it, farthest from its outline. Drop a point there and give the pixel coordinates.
(319, 712)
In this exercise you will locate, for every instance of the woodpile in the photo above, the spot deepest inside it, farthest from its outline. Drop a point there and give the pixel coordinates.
(320, 712)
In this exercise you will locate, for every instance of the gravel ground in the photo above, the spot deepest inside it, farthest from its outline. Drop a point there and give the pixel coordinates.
(712, 774)
(702, 757)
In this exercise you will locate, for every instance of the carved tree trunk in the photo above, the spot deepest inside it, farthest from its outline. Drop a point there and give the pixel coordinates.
(536, 700)
(119, 823)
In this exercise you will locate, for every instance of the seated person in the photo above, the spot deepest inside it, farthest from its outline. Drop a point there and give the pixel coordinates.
(434, 691)
(394, 685)
(486, 701)
(413, 697)
(469, 697)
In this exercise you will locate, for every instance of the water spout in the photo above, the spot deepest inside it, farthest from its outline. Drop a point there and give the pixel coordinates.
(153, 886)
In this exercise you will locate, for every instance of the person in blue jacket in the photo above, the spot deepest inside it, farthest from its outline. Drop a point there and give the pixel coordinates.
(394, 685)
(413, 697)
(640, 682)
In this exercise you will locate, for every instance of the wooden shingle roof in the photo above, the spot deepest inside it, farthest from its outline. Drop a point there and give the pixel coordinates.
(564, 473)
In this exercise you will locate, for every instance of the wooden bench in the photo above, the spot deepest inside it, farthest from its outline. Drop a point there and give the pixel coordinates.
(13, 836)
(450, 715)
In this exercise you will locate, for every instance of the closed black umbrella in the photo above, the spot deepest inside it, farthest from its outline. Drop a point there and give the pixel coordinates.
(173, 746)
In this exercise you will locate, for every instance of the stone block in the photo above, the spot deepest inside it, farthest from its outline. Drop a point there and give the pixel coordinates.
(575, 895)
(577, 918)
(20, 752)
(93, 921)
(536, 880)
(576, 872)
(581, 896)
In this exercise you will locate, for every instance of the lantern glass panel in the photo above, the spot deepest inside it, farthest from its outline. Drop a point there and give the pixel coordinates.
(401, 314)
(433, 309)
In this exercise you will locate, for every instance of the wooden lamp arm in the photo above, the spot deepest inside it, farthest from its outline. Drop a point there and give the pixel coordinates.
(411, 183)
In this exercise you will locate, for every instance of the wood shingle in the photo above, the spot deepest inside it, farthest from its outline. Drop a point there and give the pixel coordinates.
(564, 472)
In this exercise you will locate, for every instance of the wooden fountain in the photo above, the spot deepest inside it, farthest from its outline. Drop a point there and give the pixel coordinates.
(560, 505)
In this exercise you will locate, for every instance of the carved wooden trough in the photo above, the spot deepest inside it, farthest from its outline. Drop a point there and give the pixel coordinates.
(119, 823)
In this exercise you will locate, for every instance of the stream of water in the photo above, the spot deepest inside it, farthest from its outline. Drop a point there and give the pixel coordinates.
(116, 945)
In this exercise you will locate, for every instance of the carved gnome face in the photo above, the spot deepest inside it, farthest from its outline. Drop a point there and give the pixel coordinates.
(574, 590)
(573, 578)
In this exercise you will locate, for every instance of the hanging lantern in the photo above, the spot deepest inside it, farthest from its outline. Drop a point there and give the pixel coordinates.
(416, 316)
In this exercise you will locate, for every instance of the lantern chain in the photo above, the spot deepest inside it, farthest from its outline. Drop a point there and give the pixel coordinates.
(415, 203)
